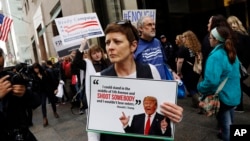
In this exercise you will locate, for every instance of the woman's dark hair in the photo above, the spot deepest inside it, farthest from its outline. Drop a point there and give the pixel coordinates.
(225, 33)
(49, 62)
(37, 65)
(219, 20)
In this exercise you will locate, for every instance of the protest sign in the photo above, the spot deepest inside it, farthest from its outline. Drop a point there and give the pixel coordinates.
(112, 97)
(63, 50)
(76, 27)
(135, 15)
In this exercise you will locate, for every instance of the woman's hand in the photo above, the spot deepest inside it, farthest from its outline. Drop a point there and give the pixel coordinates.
(176, 76)
(172, 111)
(83, 44)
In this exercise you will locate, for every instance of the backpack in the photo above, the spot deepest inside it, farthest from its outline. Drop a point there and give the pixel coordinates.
(197, 67)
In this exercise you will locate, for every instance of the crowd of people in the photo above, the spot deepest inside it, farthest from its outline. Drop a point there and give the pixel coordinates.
(137, 53)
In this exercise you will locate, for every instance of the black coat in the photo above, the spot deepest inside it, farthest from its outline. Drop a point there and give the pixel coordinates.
(13, 117)
(243, 48)
(137, 125)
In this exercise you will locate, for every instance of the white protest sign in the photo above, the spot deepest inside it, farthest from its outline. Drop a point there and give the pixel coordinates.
(135, 15)
(76, 27)
(63, 50)
(112, 96)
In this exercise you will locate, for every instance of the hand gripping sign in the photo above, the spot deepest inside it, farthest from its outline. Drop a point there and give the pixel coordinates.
(112, 100)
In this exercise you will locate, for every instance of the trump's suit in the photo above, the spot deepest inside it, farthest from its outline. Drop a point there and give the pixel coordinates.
(138, 123)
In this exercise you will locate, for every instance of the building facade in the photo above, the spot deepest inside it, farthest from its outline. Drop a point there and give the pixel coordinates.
(34, 25)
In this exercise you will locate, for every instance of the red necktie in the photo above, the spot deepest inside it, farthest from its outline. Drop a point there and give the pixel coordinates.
(147, 126)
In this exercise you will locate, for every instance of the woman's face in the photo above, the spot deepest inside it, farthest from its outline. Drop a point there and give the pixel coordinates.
(234, 26)
(213, 42)
(118, 47)
(96, 55)
(1, 63)
(36, 70)
(177, 40)
(209, 24)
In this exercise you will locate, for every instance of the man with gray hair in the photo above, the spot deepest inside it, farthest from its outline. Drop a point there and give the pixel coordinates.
(150, 49)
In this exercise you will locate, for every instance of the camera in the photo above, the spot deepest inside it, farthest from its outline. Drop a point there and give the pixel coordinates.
(19, 77)
(15, 78)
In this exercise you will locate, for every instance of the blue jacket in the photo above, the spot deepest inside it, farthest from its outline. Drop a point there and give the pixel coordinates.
(217, 68)
(151, 52)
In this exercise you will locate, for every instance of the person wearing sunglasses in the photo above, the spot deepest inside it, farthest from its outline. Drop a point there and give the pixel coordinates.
(121, 42)
(150, 49)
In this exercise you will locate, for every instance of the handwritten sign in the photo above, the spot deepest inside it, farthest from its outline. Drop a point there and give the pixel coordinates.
(112, 96)
(76, 27)
(135, 15)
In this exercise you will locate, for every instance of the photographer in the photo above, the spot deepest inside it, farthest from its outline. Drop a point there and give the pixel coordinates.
(13, 105)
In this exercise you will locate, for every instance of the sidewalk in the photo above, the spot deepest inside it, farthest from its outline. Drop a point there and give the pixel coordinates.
(69, 127)
(195, 127)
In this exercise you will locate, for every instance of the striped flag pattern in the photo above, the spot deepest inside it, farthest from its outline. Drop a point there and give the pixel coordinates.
(5, 24)
(80, 25)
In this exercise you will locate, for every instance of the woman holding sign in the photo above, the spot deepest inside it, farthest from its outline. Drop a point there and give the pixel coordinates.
(121, 43)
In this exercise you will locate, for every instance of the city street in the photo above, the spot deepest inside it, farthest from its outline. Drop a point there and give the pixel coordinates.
(69, 127)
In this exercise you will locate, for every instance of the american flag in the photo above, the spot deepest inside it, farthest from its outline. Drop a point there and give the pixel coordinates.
(5, 23)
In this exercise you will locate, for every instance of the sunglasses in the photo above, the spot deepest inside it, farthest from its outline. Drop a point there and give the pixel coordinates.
(128, 23)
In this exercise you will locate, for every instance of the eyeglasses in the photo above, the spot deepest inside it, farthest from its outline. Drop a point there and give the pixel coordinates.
(128, 23)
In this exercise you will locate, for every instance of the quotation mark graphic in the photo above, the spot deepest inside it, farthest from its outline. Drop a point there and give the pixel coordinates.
(96, 81)
(137, 102)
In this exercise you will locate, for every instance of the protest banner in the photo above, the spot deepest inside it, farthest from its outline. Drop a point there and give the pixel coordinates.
(63, 50)
(76, 27)
(112, 97)
(135, 15)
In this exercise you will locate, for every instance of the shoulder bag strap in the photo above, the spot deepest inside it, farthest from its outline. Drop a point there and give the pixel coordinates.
(222, 84)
